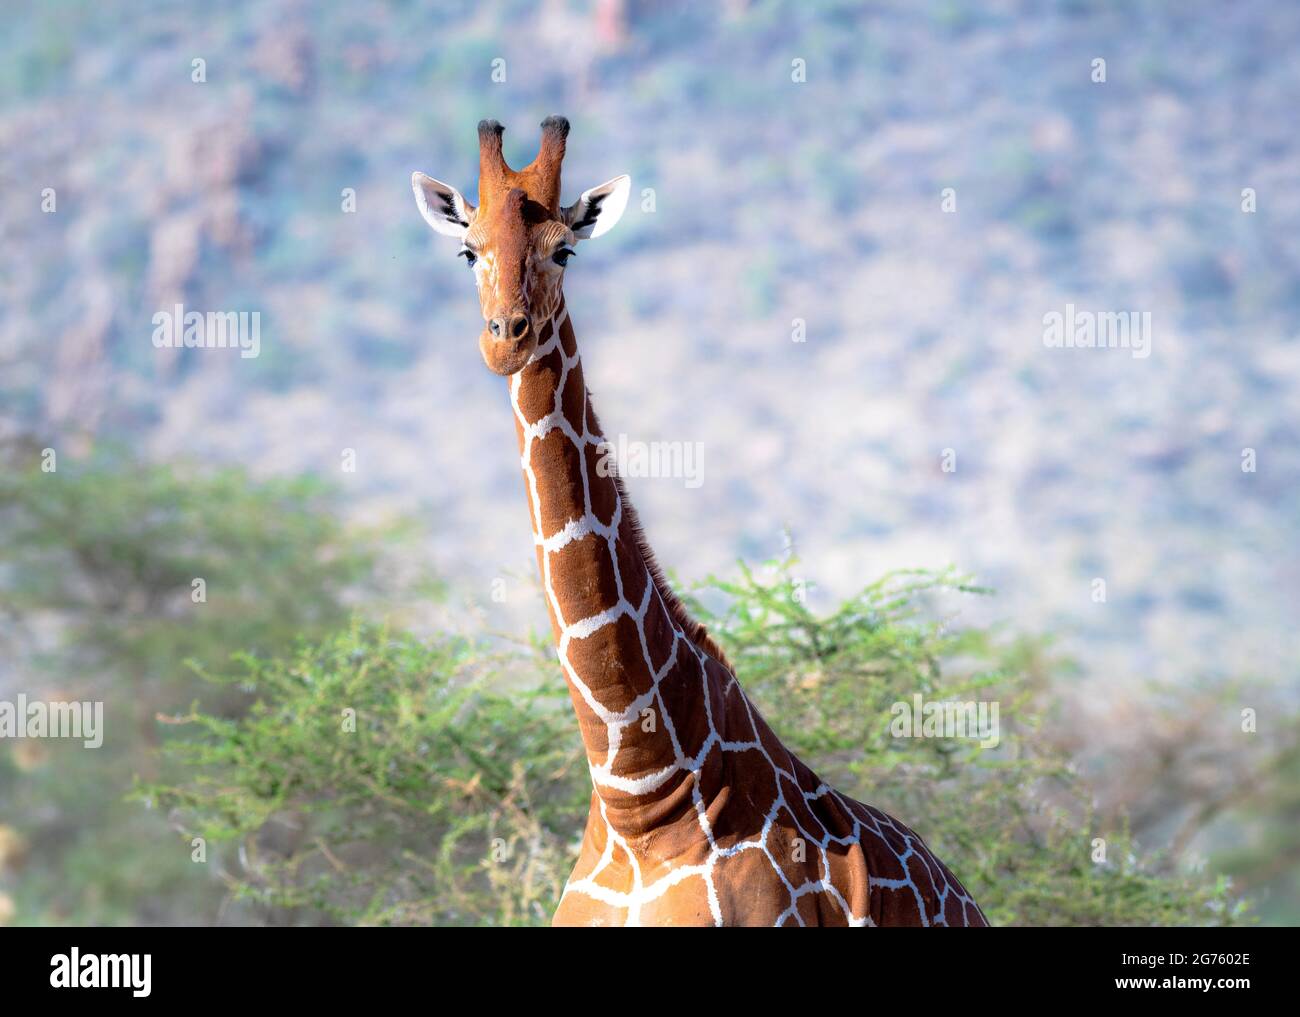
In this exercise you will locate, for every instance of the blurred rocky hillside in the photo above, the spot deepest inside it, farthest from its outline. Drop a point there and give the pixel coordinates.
(772, 200)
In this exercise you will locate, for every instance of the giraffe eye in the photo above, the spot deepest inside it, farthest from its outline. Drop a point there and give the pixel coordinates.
(562, 256)
(469, 256)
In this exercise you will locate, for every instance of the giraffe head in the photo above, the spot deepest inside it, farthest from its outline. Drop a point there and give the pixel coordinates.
(518, 239)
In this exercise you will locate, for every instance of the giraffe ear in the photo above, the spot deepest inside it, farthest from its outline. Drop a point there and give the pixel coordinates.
(599, 209)
(443, 207)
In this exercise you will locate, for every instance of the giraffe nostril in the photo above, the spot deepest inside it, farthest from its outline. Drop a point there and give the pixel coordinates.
(496, 326)
(519, 325)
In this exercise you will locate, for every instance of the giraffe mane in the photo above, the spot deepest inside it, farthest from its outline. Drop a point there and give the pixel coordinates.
(694, 630)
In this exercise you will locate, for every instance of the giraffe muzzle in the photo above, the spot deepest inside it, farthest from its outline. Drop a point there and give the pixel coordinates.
(507, 342)
(514, 327)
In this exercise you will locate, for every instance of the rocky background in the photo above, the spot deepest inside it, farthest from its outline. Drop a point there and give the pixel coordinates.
(757, 200)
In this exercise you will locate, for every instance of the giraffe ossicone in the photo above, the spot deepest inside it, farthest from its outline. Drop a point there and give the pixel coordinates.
(699, 814)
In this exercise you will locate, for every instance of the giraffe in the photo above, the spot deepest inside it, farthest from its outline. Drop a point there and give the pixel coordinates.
(699, 814)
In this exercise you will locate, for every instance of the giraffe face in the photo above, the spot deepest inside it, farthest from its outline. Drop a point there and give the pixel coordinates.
(517, 255)
(518, 239)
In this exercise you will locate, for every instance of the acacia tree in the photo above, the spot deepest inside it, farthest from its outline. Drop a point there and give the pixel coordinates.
(380, 779)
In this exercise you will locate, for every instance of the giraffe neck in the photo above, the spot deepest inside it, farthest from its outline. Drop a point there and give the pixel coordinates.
(699, 813)
(642, 684)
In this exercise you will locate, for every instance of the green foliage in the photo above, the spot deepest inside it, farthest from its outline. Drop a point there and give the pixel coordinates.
(457, 801)
(114, 545)
(97, 564)
(1015, 821)
(381, 780)
(338, 772)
